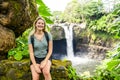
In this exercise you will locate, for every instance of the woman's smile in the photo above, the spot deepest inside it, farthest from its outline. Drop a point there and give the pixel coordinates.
(40, 24)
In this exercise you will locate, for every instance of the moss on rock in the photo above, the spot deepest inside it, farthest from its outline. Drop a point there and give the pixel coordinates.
(20, 70)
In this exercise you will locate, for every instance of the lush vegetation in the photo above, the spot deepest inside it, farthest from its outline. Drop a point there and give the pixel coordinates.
(97, 20)
(72, 73)
(21, 50)
(109, 23)
(110, 68)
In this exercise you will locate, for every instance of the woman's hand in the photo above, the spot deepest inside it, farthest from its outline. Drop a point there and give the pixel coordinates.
(37, 68)
(43, 63)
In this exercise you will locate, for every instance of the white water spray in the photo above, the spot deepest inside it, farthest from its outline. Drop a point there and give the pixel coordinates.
(69, 38)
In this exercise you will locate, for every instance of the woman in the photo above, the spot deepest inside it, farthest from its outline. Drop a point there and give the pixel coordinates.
(41, 51)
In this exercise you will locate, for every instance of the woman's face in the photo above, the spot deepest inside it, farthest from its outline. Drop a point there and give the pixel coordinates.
(40, 24)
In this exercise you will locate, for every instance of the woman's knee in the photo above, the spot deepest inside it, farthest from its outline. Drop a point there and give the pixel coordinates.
(35, 75)
(46, 69)
(46, 73)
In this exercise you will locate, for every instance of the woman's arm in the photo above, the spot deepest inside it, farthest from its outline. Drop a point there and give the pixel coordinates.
(50, 49)
(35, 65)
(31, 54)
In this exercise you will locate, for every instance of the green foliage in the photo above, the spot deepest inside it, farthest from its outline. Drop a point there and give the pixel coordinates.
(44, 11)
(57, 16)
(110, 68)
(72, 73)
(21, 50)
(81, 11)
(109, 23)
(117, 9)
(71, 13)
(93, 9)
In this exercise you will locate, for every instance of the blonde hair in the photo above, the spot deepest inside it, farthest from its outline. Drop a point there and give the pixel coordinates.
(39, 18)
(34, 25)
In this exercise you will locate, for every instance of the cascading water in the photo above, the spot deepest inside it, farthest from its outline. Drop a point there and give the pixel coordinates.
(69, 38)
(80, 63)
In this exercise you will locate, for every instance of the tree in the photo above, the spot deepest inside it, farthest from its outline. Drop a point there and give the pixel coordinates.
(81, 11)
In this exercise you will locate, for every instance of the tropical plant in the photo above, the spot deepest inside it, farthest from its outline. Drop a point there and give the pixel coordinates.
(44, 11)
(21, 50)
(57, 16)
(81, 11)
(110, 68)
(72, 73)
(108, 23)
(71, 11)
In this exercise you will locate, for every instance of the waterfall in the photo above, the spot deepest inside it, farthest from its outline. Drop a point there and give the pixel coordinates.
(82, 64)
(69, 38)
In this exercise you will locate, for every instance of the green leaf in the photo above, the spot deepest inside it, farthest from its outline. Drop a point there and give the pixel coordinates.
(49, 21)
(11, 52)
(18, 55)
(40, 2)
(44, 11)
(112, 64)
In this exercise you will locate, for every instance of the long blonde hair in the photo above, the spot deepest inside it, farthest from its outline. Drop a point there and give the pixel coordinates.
(34, 25)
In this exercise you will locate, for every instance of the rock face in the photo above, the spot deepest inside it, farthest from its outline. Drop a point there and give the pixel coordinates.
(7, 40)
(59, 42)
(15, 17)
(57, 32)
(59, 49)
(92, 44)
(85, 43)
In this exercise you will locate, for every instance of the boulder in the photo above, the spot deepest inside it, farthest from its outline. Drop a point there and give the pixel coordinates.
(15, 17)
(20, 70)
(57, 32)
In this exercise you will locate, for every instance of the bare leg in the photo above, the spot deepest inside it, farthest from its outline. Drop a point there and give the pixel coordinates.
(35, 75)
(46, 71)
